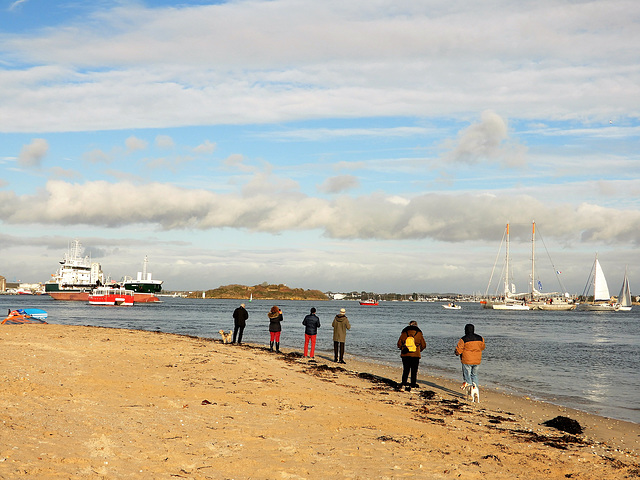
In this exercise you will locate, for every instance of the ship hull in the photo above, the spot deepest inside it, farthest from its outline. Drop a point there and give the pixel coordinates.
(70, 295)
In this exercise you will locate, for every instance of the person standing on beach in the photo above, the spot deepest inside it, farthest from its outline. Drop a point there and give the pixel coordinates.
(275, 317)
(470, 349)
(340, 326)
(240, 316)
(311, 323)
(411, 343)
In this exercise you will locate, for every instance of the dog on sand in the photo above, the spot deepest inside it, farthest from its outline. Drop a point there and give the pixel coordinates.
(226, 337)
(472, 391)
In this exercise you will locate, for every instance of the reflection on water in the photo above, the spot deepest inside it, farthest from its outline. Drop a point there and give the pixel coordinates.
(585, 360)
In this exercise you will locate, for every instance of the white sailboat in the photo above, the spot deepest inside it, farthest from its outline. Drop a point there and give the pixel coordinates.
(601, 297)
(550, 301)
(624, 298)
(507, 300)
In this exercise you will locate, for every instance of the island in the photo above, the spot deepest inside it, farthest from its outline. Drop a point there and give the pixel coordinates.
(264, 291)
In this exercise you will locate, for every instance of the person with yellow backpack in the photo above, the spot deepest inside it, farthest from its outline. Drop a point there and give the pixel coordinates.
(411, 343)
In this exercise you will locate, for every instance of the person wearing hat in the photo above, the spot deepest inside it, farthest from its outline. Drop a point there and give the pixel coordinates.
(340, 326)
(311, 323)
(240, 316)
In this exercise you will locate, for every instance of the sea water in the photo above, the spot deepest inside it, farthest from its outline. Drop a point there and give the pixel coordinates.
(584, 360)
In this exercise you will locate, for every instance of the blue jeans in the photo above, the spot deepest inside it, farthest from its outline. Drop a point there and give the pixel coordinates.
(470, 374)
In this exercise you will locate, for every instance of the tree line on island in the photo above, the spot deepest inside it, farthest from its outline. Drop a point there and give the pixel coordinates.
(264, 291)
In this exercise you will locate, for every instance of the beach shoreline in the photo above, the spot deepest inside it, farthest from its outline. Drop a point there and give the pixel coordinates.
(94, 402)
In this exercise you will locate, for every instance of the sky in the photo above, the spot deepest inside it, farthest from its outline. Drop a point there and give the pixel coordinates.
(368, 145)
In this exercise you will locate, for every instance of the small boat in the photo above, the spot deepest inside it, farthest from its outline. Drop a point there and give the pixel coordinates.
(369, 302)
(511, 305)
(624, 298)
(109, 295)
(601, 298)
(20, 317)
(452, 306)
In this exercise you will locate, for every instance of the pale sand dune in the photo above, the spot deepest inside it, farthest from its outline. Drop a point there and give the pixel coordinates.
(84, 402)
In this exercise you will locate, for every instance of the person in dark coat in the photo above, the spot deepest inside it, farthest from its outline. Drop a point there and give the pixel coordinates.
(311, 323)
(275, 317)
(240, 317)
(340, 326)
(411, 354)
(470, 348)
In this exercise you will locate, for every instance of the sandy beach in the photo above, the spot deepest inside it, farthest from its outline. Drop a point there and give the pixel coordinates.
(89, 402)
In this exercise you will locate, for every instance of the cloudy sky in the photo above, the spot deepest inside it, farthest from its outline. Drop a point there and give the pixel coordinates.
(362, 145)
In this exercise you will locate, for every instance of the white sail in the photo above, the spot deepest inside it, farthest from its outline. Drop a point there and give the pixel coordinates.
(624, 299)
(600, 287)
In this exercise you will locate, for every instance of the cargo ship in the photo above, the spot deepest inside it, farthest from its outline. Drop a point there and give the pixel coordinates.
(145, 289)
(76, 277)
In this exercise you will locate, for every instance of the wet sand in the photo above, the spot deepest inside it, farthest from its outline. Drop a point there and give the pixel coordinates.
(87, 402)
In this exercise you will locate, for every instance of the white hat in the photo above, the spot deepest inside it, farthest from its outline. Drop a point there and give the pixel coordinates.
(342, 310)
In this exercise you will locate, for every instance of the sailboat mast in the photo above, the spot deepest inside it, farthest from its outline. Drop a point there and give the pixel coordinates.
(506, 269)
(533, 258)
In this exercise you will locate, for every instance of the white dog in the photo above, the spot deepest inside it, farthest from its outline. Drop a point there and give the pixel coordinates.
(226, 337)
(474, 393)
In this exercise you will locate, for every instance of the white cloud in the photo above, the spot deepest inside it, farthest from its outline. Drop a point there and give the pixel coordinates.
(257, 62)
(339, 184)
(165, 142)
(487, 140)
(205, 148)
(97, 156)
(33, 154)
(135, 144)
(279, 208)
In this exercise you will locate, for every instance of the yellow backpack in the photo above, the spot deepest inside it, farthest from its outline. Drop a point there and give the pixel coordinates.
(410, 344)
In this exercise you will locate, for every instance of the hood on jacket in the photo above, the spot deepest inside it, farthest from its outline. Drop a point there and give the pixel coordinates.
(410, 328)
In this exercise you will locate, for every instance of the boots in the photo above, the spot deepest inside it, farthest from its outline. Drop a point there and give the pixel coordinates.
(271, 347)
(277, 347)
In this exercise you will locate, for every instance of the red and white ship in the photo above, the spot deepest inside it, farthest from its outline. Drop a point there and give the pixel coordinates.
(111, 296)
(369, 302)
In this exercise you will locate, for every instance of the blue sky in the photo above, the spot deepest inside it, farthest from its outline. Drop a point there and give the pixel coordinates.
(379, 146)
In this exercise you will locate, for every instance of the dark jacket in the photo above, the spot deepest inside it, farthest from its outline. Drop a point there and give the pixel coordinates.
(274, 322)
(311, 323)
(470, 346)
(340, 326)
(416, 333)
(240, 316)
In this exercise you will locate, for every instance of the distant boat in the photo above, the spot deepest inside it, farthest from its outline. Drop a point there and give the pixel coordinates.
(76, 277)
(369, 302)
(556, 301)
(452, 306)
(251, 297)
(601, 297)
(145, 289)
(624, 298)
(507, 300)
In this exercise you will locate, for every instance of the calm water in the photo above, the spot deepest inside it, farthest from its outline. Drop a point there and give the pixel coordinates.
(584, 360)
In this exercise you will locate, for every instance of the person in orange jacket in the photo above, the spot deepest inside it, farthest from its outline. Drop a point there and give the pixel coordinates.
(470, 349)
